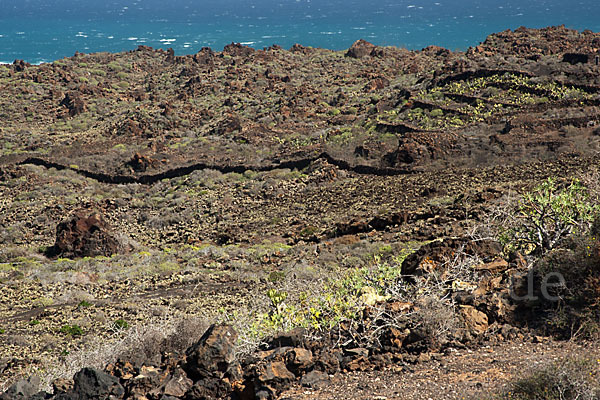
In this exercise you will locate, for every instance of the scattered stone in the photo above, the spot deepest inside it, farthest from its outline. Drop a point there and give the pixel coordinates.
(272, 377)
(208, 388)
(20, 65)
(143, 383)
(141, 163)
(62, 385)
(315, 380)
(434, 255)
(298, 360)
(238, 50)
(23, 389)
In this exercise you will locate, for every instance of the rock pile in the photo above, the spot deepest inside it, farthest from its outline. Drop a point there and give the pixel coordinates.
(208, 370)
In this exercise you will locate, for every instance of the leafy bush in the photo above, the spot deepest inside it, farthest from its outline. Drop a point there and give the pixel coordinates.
(355, 302)
(545, 217)
(72, 330)
(120, 324)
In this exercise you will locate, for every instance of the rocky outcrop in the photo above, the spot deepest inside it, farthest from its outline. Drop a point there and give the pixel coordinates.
(213, 356)
(361, 48)
(90, 383)
(85, 234)
(437, 254)
(20, 65)
(74, 103)
(140, 163)
(238, 50)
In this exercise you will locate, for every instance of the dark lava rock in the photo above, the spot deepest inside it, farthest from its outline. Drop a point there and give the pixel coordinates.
(213, 354)
(576, 58)
(298, 360)
(436, 254)
(84, 235)
(204, 56)
(90, 383)
(74, 103)
(293, 338)
(206, 389)
(20, 65)
(272, 377)
(148, 379)
(178, 385)
(298, 48)
(329, 361)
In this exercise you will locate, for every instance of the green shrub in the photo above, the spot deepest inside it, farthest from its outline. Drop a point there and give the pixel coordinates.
(436, 113)
(115, 66)
(72, 330)
(543, 218)
(120, 324)
(83, 304)
(98, 72)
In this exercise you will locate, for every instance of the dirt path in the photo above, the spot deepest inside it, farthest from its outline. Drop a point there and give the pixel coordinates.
(460, 374)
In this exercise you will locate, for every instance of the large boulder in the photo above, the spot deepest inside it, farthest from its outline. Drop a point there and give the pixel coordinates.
(90, 383)
(361, 48)
(213, 355)
(86, 234)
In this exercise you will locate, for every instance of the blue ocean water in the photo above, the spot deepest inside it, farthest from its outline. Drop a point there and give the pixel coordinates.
(45, 30)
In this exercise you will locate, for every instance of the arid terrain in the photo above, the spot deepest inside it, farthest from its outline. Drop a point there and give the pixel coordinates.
(349, 194)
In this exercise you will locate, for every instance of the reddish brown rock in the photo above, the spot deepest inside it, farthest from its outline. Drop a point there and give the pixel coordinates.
(475, 320)
(141, 163)
(361, 48)
(86, 234)
(74, 103)
(377, 84)
(271, 378)
(238, 50)
(178, 385)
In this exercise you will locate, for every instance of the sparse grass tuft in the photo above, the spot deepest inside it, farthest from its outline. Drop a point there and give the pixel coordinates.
(568, 380)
